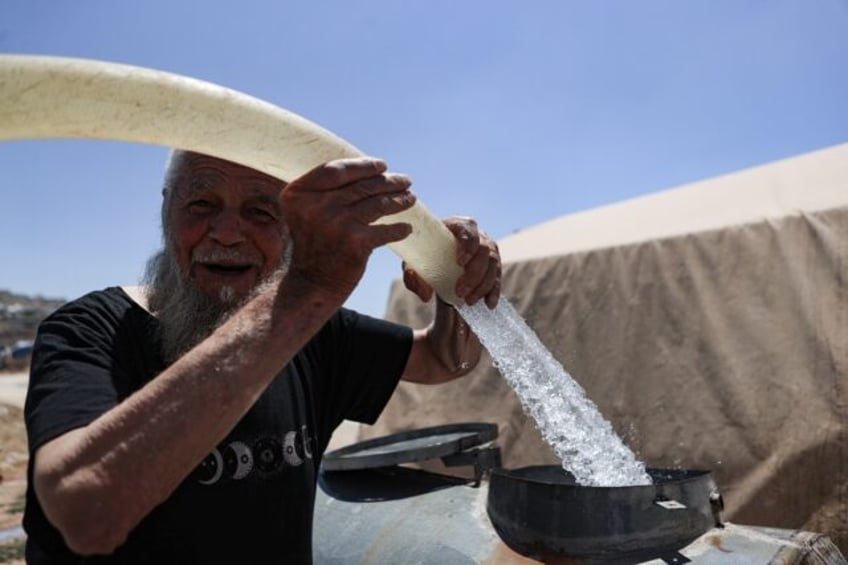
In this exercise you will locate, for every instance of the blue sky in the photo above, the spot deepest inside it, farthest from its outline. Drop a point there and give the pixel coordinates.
(514, 113)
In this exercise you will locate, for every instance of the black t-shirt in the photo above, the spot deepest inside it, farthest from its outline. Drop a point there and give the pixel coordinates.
(251, 499)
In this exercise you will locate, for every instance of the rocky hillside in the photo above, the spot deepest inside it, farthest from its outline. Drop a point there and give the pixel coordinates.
(21, 314)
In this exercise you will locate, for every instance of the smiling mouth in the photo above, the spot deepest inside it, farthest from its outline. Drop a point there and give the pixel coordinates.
(226, 270)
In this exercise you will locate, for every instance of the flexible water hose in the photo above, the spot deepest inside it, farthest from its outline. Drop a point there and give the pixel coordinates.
(58, 97)
(48, 97)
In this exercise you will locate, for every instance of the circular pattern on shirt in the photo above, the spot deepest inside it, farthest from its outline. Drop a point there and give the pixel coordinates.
(210, 469)
(238, 460)
(292, 454)
(268, 454)
(306, 441)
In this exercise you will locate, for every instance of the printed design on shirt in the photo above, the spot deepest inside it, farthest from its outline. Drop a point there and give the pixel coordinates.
(237, 460)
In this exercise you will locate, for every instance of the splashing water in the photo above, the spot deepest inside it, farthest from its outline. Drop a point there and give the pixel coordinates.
(569, 422)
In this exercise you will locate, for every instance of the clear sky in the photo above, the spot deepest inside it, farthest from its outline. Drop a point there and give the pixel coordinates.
(512, 112)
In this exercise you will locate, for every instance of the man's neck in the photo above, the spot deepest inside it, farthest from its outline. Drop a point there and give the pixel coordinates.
(138, 295)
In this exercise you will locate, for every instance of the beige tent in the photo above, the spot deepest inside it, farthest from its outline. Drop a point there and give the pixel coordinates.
(709, 323)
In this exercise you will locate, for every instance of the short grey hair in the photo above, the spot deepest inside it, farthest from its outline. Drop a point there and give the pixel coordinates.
(173, 168)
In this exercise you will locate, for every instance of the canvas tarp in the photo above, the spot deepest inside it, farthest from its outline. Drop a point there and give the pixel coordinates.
(709, 324)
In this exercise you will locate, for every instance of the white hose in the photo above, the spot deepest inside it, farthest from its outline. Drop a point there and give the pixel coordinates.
(54, 97)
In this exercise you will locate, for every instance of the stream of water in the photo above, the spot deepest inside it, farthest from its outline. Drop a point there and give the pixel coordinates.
(569, 422)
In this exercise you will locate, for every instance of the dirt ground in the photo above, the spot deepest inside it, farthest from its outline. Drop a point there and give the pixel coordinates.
(13, 461)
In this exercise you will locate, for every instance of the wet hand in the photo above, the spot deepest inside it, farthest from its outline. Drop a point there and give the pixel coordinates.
(329, 212)
(478, 255)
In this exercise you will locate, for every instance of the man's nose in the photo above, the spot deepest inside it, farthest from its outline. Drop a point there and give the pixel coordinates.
(227, 228)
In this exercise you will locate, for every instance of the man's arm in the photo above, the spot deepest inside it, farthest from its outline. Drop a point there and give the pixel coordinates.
(446, 350)
(97, 482)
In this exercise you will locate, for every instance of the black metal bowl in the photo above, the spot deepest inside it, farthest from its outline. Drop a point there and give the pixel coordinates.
(542, 513)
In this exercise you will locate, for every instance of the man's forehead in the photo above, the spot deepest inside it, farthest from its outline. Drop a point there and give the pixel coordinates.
(197, 172)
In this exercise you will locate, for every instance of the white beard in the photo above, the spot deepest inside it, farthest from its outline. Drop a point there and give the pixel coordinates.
(187, 315)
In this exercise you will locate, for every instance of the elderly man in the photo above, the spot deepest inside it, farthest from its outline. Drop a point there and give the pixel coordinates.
(187, 424)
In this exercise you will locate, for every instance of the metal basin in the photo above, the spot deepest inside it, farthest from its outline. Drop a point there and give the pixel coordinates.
(541, 512)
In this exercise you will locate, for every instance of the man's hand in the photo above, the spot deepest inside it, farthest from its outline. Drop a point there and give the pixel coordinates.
(478, 254)
(329, 212)
(448, 349)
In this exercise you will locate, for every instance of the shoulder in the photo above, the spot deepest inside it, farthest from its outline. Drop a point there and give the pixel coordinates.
(108, 307)
(111, 299)
(346, 321)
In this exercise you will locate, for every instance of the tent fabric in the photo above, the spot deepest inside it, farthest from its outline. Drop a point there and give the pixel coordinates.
(722, 348)
(769, 191)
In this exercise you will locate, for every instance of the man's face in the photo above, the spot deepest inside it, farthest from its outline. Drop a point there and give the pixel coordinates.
(226, 226)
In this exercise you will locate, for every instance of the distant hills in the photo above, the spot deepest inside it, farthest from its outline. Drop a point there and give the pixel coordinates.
(20, 315)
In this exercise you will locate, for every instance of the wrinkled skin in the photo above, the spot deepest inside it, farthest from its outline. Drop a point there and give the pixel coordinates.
(329, 212)
(478, 254)
(232, 227)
